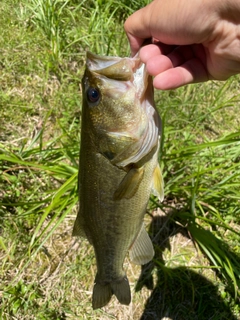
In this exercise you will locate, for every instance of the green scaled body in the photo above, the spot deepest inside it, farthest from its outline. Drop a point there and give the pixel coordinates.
(119, 169)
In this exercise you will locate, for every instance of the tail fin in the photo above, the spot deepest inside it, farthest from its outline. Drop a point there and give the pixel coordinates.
(102, 293)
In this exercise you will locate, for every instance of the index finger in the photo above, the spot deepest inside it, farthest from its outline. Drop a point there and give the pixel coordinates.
(136, 29)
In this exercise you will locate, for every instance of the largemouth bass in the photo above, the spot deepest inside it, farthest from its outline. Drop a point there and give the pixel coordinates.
(118, 169)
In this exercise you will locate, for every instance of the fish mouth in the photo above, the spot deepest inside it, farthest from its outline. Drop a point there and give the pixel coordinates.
(122, 69)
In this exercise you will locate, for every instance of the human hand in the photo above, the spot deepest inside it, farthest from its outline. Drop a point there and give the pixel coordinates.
(193, 42)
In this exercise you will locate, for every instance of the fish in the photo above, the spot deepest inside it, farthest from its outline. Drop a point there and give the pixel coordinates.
(118, 169)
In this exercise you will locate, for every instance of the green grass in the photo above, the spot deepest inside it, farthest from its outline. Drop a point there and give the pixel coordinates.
(44, 272)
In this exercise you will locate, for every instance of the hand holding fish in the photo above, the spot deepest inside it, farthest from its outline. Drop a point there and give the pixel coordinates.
(192, 42)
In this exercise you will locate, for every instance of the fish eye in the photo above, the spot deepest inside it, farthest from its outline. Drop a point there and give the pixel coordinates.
(93, 95)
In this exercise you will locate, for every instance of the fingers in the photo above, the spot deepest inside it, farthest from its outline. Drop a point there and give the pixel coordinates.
(182, 65)
(191, 71)
(156, 49)
(158, 64)
(135, 44)
(149, 51)
(137, 29)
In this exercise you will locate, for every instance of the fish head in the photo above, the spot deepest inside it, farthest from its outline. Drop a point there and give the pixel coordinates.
(117, 93)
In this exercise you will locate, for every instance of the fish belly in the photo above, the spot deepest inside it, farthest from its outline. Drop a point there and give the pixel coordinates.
(110, 225)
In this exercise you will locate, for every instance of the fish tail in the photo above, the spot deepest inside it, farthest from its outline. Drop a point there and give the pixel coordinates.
(122, 291)
(102, 293)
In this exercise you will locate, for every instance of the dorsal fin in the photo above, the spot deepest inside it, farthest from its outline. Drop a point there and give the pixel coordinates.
(78, 228)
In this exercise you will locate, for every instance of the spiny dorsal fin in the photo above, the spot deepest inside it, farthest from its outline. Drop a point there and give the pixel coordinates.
(130, 183)
(158, 184)
(142, 250)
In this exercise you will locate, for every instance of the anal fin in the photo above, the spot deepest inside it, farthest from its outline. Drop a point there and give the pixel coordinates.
(130, 183)
(141, 251)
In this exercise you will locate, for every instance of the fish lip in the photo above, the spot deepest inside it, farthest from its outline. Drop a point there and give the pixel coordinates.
(112, 67)
(96, 62)
(123, 69)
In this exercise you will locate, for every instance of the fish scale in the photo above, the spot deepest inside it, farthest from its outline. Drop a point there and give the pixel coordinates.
(118, 169)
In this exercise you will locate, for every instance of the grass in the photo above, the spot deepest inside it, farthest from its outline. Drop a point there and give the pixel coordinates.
(44, 272)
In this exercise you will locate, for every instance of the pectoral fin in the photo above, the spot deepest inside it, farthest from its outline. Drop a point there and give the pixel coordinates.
(130, 183)
(158, 184)
(142, 250)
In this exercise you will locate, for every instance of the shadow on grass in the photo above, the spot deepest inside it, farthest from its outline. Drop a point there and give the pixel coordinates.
(180, 293)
